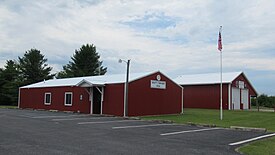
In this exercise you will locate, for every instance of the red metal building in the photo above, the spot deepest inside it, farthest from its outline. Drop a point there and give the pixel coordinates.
(149, 94)
(203, 91)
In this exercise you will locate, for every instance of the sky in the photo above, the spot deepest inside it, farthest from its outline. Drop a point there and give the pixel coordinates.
(176, 37)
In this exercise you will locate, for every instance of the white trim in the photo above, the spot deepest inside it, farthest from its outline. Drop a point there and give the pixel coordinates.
(188, 131)
(71, 93)
(149, 74)
(18, 101)
(229, 96)
(170, 79)
(45, 98)
(124, 100)
(84, 81)
(249, 101)
(252, 139)
(98, 90)
(102, 96)
(142, 76)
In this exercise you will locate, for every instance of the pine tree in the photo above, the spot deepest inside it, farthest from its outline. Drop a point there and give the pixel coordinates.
(9, 83)
(33, 67)
(85, 62)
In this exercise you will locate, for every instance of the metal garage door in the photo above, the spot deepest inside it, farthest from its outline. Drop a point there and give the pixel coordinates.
(236, 98)
(244, 98)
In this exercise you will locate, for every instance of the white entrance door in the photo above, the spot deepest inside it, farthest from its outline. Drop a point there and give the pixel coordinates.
(236, 98)
(244, 98)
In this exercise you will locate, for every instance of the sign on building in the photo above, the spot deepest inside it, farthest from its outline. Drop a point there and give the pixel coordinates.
(158, 84)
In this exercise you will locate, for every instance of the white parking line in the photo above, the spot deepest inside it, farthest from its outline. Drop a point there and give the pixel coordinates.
(188, 131)
(70, 119)
(139, 126)
(51, 116)
(107, 122)
(252, 139)
(25, 116)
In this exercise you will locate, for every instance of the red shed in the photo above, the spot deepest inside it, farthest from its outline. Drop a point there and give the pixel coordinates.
(203, 91)
(149, 94)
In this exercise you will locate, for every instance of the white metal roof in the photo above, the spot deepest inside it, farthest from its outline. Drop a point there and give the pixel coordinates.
(95, 80)
(210, 78)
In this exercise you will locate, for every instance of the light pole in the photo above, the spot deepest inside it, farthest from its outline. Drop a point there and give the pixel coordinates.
(126, 87)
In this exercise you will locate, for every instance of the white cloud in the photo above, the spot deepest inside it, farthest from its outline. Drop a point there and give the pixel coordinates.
(156, 35)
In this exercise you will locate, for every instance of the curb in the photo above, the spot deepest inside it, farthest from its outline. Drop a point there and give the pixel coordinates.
(156, 121)
(133, 118)
(9, 108)
(201, 125)
(51, 110)
(248, 129)
(162, 121)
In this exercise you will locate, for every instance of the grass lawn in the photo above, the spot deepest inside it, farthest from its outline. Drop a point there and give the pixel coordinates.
(230, 118)
(255, 107)
(266, 146)
(8, 106)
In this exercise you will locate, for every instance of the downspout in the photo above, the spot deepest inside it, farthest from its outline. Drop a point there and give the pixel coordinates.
(182, 100)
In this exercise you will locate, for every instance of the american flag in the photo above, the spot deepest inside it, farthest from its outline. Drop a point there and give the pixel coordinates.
(220, 40)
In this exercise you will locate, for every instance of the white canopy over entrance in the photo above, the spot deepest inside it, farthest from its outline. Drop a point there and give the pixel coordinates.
(96, 95)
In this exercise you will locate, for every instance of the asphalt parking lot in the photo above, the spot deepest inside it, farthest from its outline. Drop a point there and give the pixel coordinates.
(44, 132)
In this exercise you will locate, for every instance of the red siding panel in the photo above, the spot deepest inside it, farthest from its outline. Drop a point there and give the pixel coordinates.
(34, 98)
(113, 99)
(144, 100)
(205, 96)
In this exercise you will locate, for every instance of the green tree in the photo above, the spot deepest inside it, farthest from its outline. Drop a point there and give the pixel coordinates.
(9, 83)
(33, 67)
(272, 99)
(85, 62)
(2, 82)
(266, 101)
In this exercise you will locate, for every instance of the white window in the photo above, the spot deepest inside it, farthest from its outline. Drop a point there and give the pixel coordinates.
(68, 99)
(47, 98)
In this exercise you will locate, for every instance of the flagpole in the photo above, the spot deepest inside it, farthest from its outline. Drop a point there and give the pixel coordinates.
(221, 109)
(221, 87)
